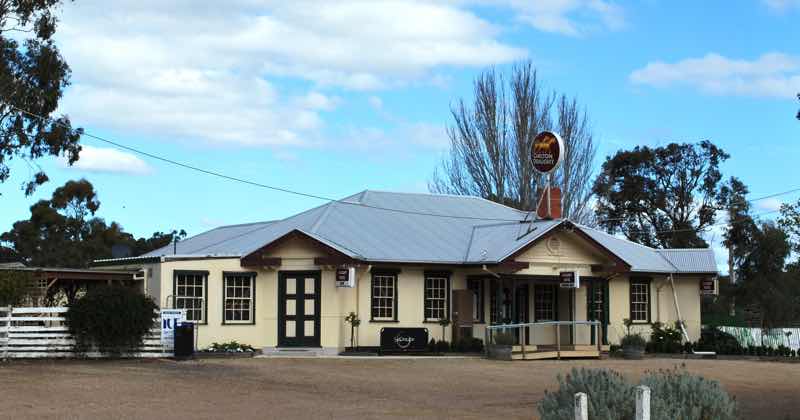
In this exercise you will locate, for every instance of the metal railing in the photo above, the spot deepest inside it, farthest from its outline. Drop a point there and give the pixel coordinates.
(525, 334)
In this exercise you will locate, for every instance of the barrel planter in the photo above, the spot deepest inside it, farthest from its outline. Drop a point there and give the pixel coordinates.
(499, 351)
(633, 352)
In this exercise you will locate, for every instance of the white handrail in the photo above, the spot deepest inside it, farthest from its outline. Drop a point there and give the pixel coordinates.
(533, 324)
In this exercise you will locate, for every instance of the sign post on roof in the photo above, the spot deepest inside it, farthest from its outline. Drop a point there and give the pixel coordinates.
(547, 153)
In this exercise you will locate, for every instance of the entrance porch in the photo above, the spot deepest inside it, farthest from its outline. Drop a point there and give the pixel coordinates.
(541, 319)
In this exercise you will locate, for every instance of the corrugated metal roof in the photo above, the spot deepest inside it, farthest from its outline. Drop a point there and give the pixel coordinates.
(408, 227)
(641, 258)
(693, 260)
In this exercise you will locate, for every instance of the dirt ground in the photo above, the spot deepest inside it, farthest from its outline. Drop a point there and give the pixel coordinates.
(343, 389)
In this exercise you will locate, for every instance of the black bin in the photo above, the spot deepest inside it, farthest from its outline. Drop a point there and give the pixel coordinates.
(184, 340)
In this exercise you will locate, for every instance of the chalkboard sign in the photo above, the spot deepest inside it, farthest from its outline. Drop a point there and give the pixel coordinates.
(404, 340)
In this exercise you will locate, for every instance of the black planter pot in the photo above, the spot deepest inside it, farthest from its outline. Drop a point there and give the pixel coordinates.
(499, 351)
(633, 353)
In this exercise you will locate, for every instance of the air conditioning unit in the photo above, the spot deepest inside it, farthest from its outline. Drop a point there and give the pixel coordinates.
(139, 275)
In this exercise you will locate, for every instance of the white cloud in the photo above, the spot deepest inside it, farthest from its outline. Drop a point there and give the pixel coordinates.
(107, 160)
(569, 17)
(769, 204)
(770, 75)
(781, 6)
(212, 72)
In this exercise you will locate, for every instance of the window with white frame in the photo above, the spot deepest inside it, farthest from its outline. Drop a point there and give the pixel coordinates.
(640, 300)
(437, 296)
(544, 302)
(239, 291)
(190, 294)
(384, 297)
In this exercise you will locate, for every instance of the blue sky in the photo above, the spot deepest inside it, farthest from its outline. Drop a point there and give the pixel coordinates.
(332, 98)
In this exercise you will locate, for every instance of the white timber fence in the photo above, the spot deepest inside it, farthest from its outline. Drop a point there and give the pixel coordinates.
(642, 404)
(774, 337)
(27, 333)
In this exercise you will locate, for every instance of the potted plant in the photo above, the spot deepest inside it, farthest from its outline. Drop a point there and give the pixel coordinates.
(444, 322)
(501, 346)
(633, 344)
(354, 322)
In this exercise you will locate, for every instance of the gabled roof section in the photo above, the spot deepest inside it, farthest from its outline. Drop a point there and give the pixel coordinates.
(496, 242)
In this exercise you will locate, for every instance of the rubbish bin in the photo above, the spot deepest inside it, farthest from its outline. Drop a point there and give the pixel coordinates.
(184, 340)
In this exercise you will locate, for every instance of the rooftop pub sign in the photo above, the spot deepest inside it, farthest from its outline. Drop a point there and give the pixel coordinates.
(547, 152)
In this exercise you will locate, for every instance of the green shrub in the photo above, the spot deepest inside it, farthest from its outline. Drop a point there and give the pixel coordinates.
(609, 395)
(467, 345)
(476, 345)
(712, 339)
(635, 340)
(677, 394)
(442, 346)
(665, 339)
(114, 319)
(15, 286)
(432, 346)
(674, 394)
(229, 347)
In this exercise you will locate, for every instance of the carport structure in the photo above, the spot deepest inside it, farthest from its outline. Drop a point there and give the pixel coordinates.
(49, 280)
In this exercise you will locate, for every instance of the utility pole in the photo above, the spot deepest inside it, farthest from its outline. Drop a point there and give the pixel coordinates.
(731, 268)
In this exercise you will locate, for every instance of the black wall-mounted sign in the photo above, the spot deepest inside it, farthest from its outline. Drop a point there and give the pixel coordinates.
(569, 279)
(345, 277)
(404, 340)
(708, 286)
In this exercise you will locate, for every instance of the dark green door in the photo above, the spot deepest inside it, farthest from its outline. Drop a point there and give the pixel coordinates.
(597, 307)
(299, 308)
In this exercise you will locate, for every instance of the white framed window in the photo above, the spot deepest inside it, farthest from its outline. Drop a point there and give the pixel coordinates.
(190, 294)
(544, 302)
(384, 296)
(640, 300)
(437, 296)
(238, 294)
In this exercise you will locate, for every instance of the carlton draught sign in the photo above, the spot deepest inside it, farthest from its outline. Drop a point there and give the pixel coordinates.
(547, 152)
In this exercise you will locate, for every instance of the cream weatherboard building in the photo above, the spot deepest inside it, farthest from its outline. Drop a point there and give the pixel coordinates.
(415, 258)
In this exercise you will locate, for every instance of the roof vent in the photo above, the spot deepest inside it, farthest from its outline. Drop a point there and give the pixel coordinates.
(554, 245)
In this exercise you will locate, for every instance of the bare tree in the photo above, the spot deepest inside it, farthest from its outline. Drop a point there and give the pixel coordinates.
(490, 143)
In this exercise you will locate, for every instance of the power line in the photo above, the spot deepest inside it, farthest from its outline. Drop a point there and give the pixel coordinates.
(246, 181)
(328, 199)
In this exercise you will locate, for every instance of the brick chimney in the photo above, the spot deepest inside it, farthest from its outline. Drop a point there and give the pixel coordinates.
(555, 204)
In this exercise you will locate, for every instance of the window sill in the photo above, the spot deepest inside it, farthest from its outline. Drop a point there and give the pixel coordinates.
(381, 321)
(229, 323)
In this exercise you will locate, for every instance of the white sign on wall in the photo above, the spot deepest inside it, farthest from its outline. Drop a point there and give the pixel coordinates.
(346, 277)
(570, 280)
(170, 318)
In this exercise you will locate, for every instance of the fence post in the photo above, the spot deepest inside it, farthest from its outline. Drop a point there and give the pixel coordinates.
(642, 403)
(5, 329)
(581, 406)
